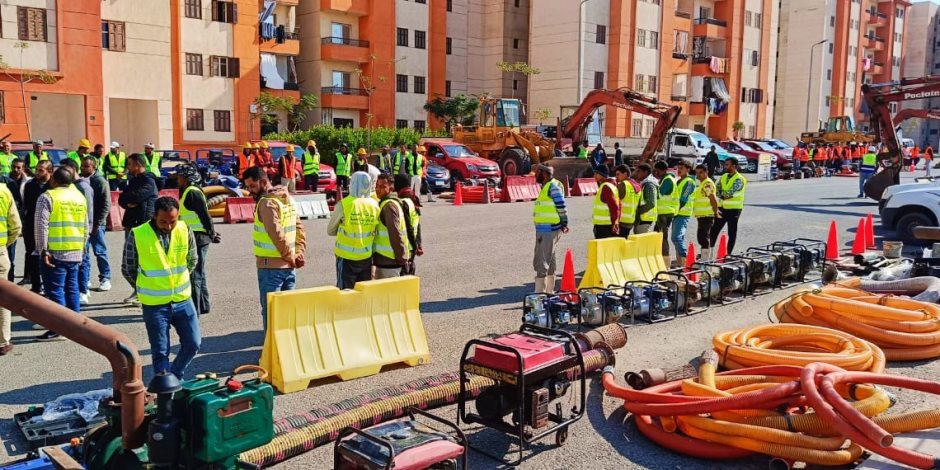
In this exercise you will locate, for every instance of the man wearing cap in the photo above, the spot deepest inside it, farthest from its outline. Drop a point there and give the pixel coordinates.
(343, 167)
(287, 169)
(867, 169)
(35, 156)
(646, 209)
(311, 167)
(606, 213)
(416, 168)
(114, 164)
(550, 215)
(6, 158)
(194, 211)
(362, 161)
(153, 164)
(77, 155)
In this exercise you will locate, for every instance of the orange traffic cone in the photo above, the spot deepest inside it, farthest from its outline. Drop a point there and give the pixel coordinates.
(458, 195)
(858, 246)
(870, 233)
(689, 261)
(832, 243)
(567, 276)
(722, 248)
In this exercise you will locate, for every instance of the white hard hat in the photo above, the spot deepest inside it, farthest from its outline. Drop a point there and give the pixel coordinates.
(115, 144)
(872, 149)
(149, 145)
(38, 142)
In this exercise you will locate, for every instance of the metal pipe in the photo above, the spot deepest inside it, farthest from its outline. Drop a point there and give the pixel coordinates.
(126, 381)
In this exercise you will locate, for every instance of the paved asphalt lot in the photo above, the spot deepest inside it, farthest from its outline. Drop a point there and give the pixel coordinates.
(476, 269)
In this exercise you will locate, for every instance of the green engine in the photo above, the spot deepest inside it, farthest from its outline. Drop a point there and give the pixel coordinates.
(203, 423)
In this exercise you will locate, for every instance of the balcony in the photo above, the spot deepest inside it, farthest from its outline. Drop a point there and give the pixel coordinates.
(289, 2)
(681, 55)
(344, 49)
(876, 18)
(283, 42)
(352, 7)
(344, 98)
(684, 14)
(291, 90)
(877, 68)
(710, 66)
(709, 27)
(681, 98)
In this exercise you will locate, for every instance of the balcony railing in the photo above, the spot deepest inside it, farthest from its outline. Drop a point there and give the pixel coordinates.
(339, 90)
(292, 86)
(683, 14)
(679, 98)
(680, 55)
(295, 34)
(713, 21)
(344, 41)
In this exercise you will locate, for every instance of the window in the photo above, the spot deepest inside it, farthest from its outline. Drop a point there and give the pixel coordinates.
(637, 127)
(515, 85)
(424, 2)
(31, 23)
(419, 85)
(222, 121)
(681, 44)
(401, 83)
(194, 9)
(447, 88)
(704, 12)
(224, 12)
(193, 64)
(112, 35)
(599, 80)
(651, 83)
(832, 21)
(641, 38)
(340, 31)
(828, 100)
(448, 45)
(403, 37)
(450, 5)
(649, 127)
(899, 13)
(601, 34)
(755, 58)
(401, 123)
(228, 67)
(757, 19)
(421, 39)
(419, 125)
(342, 80)
(831, 47)
(748, 18)
(680, 85)
(194, 120)
(654, 40)
(516, 3)
(515, 43)
(893, 107)
(639, 82)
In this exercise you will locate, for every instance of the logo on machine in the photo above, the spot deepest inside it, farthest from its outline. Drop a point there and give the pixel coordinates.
(923, 94)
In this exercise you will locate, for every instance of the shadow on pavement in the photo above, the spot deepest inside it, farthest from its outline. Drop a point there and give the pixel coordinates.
(814, 208)
(490, 297)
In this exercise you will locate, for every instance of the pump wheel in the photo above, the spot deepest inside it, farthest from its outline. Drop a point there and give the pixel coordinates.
(561, 437)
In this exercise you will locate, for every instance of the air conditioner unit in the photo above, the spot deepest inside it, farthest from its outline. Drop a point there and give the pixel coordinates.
(253, 108)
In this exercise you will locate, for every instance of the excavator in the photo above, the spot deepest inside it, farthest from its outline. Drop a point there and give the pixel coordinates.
(878, 98)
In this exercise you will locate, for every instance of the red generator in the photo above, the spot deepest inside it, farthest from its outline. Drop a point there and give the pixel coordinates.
(533, 371)
(405, 444)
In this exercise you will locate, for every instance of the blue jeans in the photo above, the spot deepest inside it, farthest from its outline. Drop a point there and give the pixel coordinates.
(182, 317)
(97, 247)
(680, 224)
(863, 176)
(61, 283)
(273, 280)
(11, 253)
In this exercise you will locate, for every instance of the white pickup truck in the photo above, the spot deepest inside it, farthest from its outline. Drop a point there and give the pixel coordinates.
(904, 207)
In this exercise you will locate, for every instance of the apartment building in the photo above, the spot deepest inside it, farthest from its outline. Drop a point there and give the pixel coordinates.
(828, 49)
(714, 58)
(922, 57)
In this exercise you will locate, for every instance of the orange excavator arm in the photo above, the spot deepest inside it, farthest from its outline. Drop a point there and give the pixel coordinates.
(575, 126)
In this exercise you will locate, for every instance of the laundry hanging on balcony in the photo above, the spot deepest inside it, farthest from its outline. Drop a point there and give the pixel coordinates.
(266, 19)
(270, 74)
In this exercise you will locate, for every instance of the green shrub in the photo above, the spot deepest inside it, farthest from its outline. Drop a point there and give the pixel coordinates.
(329, 138)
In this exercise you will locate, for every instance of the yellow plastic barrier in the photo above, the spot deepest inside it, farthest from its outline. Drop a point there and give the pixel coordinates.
(616, 261)
(650, 246)
(323, 332)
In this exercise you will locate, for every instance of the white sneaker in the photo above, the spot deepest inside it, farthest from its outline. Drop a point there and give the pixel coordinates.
(83, 299)
(104, 286)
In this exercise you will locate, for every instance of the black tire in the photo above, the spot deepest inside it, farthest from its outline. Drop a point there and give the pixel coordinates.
(908, 222)
(751, 166)
(561, 437)
(455, 177)
(514, 162)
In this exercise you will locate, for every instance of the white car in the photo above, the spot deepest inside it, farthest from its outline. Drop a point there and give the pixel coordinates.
(906, 207)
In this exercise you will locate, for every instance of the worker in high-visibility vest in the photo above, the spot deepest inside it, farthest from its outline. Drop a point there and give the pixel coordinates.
(114, 165)
(385, 161)
(402, 161)
(35, 156)
(680, 222)
(278, 237)
(411, 206)
(159, 256)
(667, 205)
(705, 208)
(915, 157)
(246, 159)
(194, 211)
(154, 160)
(646, 209)
(10, 227)
(731, 189)
(61, 230)
(867, 169)
(582, 150)
(311, 166)
(353, 223)
(606, 213)
(343, 166)
(416, 168)
(392, 252)
(550, 215)
(287, 169)
(78, 154)
(6, 158)
(629, 192)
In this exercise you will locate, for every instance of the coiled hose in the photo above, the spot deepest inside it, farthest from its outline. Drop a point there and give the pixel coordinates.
(905, 329)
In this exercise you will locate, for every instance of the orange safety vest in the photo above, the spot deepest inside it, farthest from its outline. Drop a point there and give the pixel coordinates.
(290, 167)
(245, 163)
(858, 152)
(804, 155)
(928, 153)
(915, 152)
(820, 154)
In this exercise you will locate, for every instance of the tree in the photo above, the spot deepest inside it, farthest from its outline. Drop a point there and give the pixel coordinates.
(370, 83)
(542, 115)
(460, 109)
(737, 127)
(517, 67)
(296, 112)
(22, 77)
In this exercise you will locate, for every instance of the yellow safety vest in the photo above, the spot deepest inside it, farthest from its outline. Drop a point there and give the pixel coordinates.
(33, 160)
(383, 243)
(162, 276)
(652, 214)
(6, 202)
(668, 204)
(414, 217)
(869, 162)
(116, 164)
(188, 216)
(628, 201)
(582, 152)
(601, 211)
(416, 165)
(263, 244)
(544, 211)
(311, 164)
(737, 201)
(343, 162)
(68, 220)
(686, 210)
(702, 204)
(153, 164)
(6, 163)
(72, 155)
(356, 233)
(398, 160)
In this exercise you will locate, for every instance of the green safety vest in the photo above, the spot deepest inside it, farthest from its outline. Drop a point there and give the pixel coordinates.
(628, 201)
(263, 245)
(737, 201)
(116, 164)
(702, 204)
(153, 165)
(342, 164)
(414, 218)
(652, 214)
(668, 204)
(188, 216)
(6, 202)
(544, 211)
(68, 220)
(33, 160)
(869, 162)
(75, 157)
(311, 163)
(162, 276)
(416, 165)
(686, 210)
(356, 233)
(6, 162)
(582, 152)
(601, 211)
(383, 243)
(398, 159)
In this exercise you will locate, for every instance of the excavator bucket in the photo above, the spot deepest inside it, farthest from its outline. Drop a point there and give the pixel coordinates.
(876, 185)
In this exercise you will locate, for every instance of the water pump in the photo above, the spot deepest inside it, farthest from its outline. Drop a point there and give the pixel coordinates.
(550, 311)
(602, 306)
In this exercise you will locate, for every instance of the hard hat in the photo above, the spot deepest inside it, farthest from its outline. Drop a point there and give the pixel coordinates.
(421, 148)
(872, 149)
(115, 145)
(84, 143)
(264, 144)
(343, 145)
(361, 151)
(247, 145)
(290, 148)
(256, 146)
(38, 142)
(149, 145)
(311, 143)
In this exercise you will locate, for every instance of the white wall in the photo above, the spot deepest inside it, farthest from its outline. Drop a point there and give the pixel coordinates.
(132, 122)
(59, 117)
(750, 74)
(553, 49)
(411, 61)
(457, 61)
(38, 55)
(770, 92)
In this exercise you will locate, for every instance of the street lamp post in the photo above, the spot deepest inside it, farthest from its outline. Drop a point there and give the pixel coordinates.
(809, 83)
(580, 50)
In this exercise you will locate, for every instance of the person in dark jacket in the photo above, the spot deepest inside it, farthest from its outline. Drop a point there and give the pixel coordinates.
(618, 155)
(15, 183)
(31, 193)
(137, 200)
(392, 253)
(99, 223)
(195, 212)
(712, 162)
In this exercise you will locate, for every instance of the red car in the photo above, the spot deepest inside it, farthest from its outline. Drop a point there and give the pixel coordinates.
(752, 154)
(784, 158)
(462, 162)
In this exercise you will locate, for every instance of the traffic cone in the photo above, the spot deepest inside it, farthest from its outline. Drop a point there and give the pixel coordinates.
(458, 195)
(567, 276)
(486, 192)
(722, 248)
(689, 261)
(832, 243)
(870, 234)
(858, 246)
